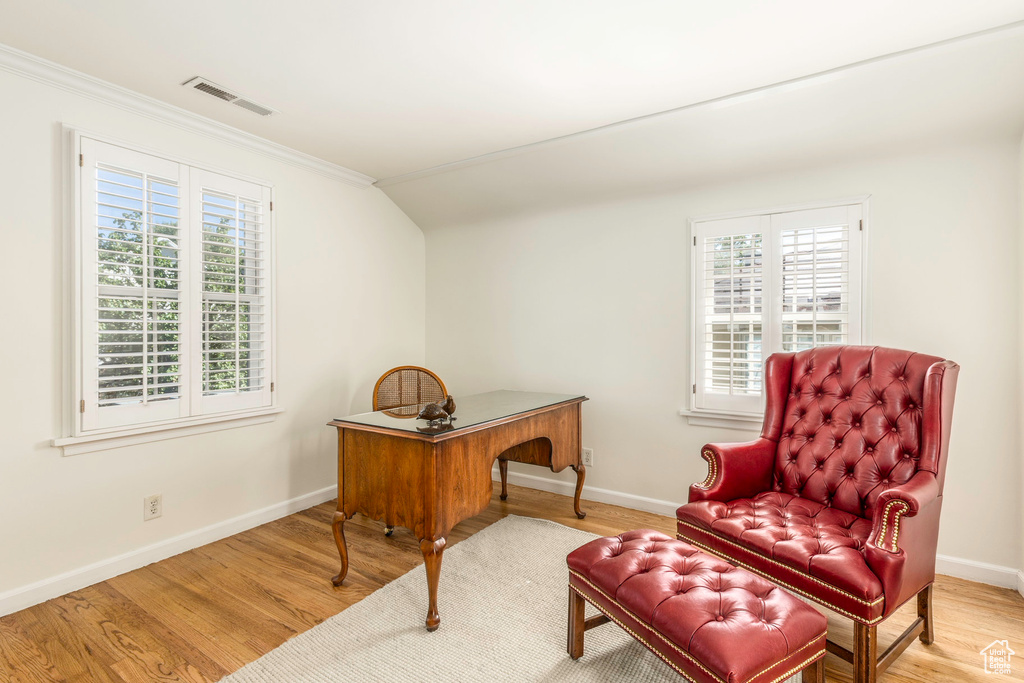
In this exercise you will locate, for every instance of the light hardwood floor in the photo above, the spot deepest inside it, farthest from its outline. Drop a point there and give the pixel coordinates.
(209, 611)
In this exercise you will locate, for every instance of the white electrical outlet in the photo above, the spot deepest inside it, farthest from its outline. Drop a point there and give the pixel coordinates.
(588, 457)
(153, 507)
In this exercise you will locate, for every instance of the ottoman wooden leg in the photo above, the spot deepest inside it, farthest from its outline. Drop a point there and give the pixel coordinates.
(815, 673)
(577, 605)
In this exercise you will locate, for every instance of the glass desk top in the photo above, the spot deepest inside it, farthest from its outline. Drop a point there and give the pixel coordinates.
(469, 411)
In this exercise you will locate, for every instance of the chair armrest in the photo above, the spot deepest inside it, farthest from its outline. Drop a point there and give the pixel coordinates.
(735, 470)
(901, 552)
(898, 502)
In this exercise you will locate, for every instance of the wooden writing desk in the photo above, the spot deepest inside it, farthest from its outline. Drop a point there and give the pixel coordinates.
(394, 467)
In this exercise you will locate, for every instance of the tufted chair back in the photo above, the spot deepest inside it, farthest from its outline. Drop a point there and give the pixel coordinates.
(851, 423)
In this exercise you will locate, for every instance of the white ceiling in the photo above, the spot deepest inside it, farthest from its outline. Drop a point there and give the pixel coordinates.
(388, 88)
(962, 92)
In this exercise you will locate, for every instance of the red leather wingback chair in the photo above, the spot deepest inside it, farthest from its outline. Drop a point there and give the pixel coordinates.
(839, 498)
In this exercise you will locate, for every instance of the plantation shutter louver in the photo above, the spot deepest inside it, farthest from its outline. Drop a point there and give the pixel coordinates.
(231, 280)
(134, 322)
(776, 282)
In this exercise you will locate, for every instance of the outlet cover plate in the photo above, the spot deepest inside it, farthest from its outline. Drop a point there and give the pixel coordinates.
(588, 457)
(153, 507)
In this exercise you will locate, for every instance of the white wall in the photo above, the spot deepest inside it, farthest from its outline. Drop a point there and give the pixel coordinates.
(1020, 381)
(340, 324)
(593, 298)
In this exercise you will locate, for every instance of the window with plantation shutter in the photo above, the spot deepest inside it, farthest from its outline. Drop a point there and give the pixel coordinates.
(232, 292)
(765, 283)
(133, 306)
(173, 296)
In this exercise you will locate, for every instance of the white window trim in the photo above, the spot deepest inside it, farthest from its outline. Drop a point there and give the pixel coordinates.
(189, 426)
(712, 418)
(746, 421)
(73, 440)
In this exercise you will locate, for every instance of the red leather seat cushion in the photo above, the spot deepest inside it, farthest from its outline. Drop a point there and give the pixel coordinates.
(733, 622)
(807, 536)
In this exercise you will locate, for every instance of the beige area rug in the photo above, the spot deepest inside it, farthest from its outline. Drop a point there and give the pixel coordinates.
(503, 600)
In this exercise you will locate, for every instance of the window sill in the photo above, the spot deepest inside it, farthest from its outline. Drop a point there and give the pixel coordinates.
(76, 445)
(706, 418)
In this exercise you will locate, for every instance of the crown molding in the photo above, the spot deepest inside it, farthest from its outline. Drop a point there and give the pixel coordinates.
(50, 73)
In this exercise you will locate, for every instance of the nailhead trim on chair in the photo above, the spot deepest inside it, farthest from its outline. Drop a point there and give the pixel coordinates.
(675, 647)
(775, 579)
(709, 455)
(895, 523)
(816, 580)
(896, 526)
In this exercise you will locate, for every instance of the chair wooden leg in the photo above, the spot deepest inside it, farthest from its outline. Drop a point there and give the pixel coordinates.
(503, 469)
(577, 606)
(924, 610)
(865, 653)
(815, 673)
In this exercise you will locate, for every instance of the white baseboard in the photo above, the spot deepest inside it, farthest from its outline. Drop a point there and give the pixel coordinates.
(55, 586)
(568, 488)
(982, 572)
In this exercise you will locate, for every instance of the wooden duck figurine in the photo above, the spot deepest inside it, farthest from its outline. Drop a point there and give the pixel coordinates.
(438, 411)
(432, 412)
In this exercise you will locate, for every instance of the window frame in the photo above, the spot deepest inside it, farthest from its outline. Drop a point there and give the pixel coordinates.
(751, 417)
(74, 437)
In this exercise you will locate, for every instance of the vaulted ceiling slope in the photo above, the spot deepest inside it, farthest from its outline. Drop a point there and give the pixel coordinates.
(961, 92)
(389, 88)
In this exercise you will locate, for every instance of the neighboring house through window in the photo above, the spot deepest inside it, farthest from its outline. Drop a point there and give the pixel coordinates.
(770, 282)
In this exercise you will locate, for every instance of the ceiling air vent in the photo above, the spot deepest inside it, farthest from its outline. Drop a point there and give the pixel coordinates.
(203, 85)
(253, 107)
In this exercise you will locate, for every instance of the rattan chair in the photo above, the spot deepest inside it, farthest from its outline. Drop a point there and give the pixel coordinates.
(406, 386)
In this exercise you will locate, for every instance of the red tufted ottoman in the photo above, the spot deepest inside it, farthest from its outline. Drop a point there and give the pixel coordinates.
(709, 620)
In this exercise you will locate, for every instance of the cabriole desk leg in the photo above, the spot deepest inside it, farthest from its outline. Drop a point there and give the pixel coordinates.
(503, 469)
(432, 551)
(339, 539)
(581, 474)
